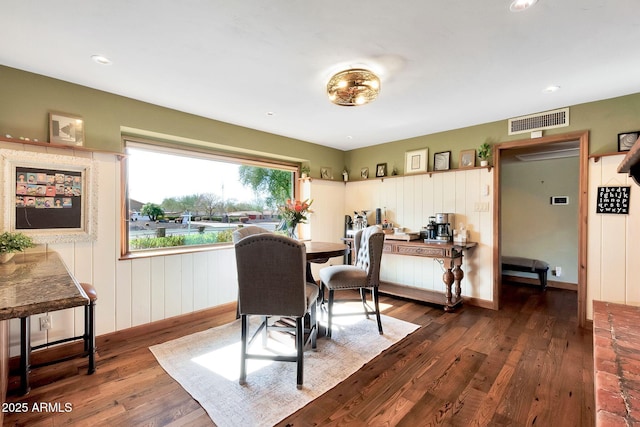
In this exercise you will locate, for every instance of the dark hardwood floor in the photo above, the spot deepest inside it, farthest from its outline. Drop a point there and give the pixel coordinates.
(528, 364)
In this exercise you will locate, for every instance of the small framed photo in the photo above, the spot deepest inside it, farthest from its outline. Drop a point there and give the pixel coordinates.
(467, 159)
(442, 161)
(381, 169)
(416, 161)
(364, 173)
(325, 173)
(66, 129)
(626, 140)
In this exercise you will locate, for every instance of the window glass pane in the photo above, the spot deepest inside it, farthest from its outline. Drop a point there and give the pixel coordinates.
(179, 198)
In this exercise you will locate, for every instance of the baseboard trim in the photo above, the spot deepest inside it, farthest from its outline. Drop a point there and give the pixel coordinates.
(75, 349)
(536, 282)
(428, 296)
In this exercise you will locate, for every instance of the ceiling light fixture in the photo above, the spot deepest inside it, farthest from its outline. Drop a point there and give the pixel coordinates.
(353, 87)
(520, 5)
(551, 89)
(101, 59)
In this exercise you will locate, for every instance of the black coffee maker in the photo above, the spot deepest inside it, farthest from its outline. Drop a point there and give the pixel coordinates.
(429, 232)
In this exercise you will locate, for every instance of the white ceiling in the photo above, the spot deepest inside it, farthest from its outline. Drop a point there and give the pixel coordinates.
(443, 64)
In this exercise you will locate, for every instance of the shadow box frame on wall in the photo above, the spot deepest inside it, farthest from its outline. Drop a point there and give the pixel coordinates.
(51, 198)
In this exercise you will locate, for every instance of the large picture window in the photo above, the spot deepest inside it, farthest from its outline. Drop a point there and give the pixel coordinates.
(177, 198)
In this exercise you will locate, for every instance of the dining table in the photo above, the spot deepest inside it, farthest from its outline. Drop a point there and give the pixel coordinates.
(321, 252)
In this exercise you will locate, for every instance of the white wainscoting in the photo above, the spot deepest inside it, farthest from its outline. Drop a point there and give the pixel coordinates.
(613, 252)
(408, 202)
(326, 223)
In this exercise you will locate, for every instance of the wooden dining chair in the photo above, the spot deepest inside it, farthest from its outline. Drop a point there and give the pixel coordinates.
(272, 284)
(364, 275)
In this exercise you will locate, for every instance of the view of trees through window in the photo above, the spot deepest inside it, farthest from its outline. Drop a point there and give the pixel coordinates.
(182, 198)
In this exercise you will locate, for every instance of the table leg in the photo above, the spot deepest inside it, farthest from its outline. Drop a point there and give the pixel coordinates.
(310, 277)
(458, 275)
(447, 278)
(25, 354)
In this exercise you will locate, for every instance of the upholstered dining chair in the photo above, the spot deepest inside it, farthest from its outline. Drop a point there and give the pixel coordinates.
(249, 230)
(272, 284)
(365, 274)
(239, 234)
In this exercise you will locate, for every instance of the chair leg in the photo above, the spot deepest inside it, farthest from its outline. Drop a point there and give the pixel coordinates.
(244, 320)
(330, 311)
(376, 301)
(363, 297)
(313, 325)
(300, 349)
(265, 331)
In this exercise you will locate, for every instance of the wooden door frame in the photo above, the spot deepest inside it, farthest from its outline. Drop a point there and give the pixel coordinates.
(583, 138)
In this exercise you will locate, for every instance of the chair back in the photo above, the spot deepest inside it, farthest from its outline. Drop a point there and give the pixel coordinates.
(243, 232)
(271, 275)
(368, 244)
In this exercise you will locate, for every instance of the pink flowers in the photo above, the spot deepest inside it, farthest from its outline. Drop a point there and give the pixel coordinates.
(295, 212)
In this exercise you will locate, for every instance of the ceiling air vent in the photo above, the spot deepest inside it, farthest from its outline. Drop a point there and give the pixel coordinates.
(532, 122)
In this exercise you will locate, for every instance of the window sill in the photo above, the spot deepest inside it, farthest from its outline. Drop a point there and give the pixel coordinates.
(174, 251)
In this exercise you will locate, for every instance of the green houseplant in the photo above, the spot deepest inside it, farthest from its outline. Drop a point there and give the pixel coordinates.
(10, 243)
(305, 170)
(484, 152)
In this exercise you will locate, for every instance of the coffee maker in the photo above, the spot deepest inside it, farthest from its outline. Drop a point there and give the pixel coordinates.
(428, 233)
(444, 227)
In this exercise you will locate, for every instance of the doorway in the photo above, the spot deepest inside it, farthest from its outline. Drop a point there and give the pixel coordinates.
(580, 141)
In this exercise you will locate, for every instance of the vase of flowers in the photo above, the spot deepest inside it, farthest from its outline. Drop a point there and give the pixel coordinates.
(294, 212)
(10, 243)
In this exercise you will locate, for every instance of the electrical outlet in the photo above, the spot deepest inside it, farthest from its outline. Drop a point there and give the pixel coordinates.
(558, 271)
(45, 323)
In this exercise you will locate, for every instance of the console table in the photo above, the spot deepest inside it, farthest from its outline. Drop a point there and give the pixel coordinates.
(36, 283)
(448, 254)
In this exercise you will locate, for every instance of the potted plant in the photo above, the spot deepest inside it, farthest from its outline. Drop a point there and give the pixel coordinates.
(484, 152)
(10, 243)
(304, 170)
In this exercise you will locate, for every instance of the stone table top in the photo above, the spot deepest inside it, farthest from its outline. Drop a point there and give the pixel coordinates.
(37, 283)
(616, 358)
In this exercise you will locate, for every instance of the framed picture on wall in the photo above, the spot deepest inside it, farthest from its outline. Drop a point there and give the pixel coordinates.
(416, 161)
(467, 159)
(364, 173)
(442, 161)
(66, 129)
(381, 169)
(325, 173)
(52, 198)
(626, 140)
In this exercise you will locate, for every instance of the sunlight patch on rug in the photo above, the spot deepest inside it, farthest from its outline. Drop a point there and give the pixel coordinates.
(207, 366)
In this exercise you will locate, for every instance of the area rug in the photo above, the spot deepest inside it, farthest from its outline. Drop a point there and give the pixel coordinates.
(207, 366)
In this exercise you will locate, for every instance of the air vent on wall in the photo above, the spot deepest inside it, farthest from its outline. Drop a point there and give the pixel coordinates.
(532, 122)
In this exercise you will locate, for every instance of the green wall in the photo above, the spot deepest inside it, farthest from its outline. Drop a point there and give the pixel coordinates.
(28, 98)
(603, 119)
(531, 226)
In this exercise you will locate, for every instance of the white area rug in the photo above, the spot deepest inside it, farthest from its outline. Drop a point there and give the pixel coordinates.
(207, 365)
